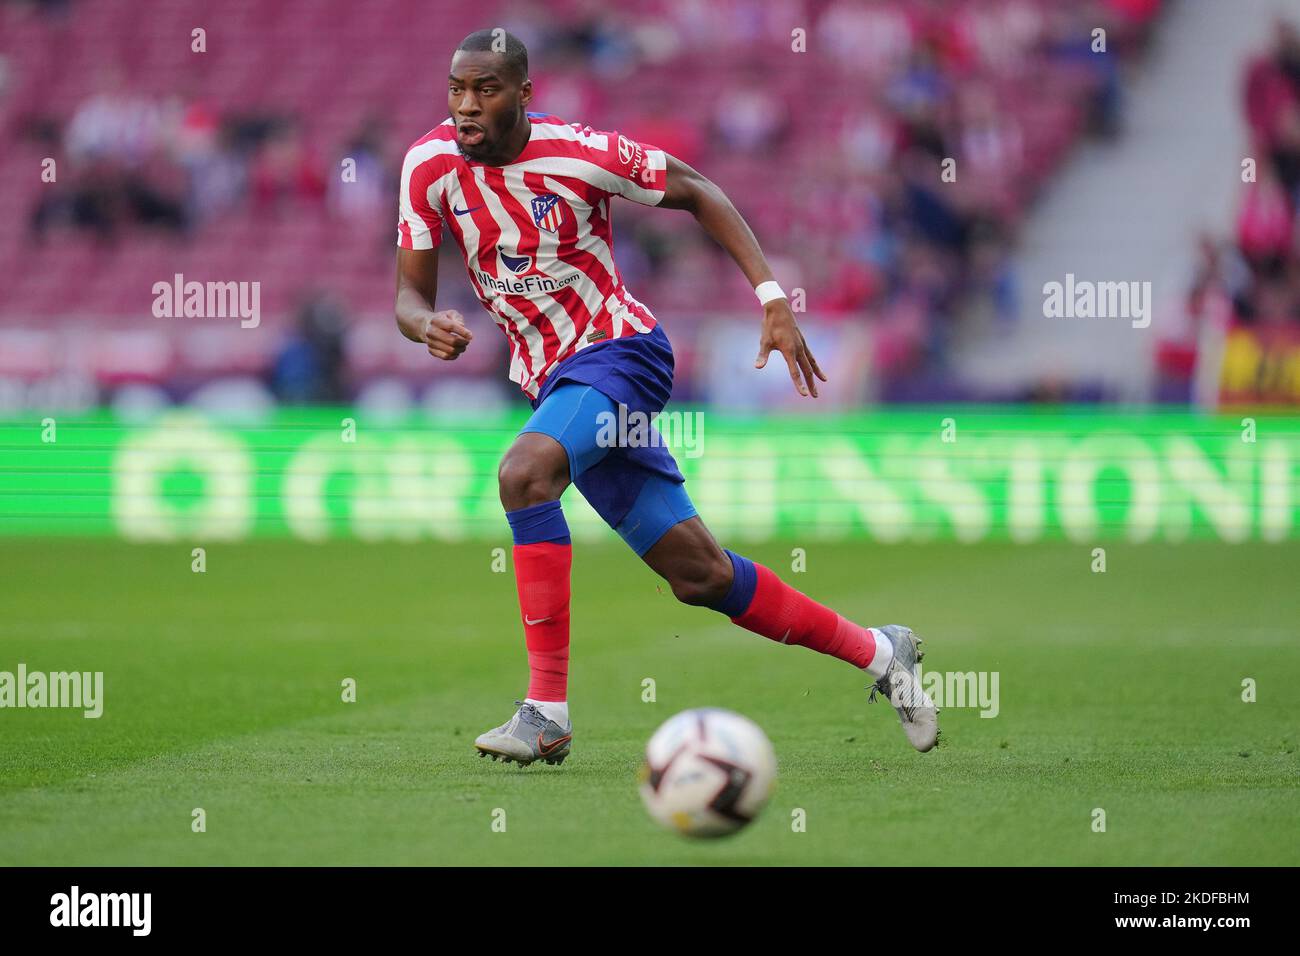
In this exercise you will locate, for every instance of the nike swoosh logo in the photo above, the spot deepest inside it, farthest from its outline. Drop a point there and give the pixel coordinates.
(465, 212)
(529, 620)
(545, 748)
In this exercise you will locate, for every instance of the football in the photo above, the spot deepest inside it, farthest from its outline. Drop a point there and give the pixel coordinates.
(707, 772)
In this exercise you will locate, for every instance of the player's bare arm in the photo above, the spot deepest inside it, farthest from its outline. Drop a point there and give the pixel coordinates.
(443, 333)
(717, 215)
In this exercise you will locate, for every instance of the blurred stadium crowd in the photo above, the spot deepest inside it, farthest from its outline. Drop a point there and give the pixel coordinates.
(1244, 301)
(271, 155)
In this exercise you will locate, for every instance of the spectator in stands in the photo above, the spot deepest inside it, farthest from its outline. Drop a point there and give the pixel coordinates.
(103, 199)
(1069, 46)
(284, 171)
(991, 151)
(1271, 85)
(309, 368)
(993, 284)
(1265, 223)
(369, 191)
(114, 125)
(1284, 150)
(200, 144)
(748, 119)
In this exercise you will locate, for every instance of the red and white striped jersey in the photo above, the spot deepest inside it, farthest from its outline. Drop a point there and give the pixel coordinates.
(536, 234)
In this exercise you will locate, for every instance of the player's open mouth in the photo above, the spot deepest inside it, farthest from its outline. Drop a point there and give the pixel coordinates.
(469, 134)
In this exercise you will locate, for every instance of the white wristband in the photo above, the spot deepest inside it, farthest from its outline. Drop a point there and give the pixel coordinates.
(769, 290)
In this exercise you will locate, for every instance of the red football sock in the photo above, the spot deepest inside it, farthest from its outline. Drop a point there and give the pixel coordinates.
(783, 614)
(542, 579)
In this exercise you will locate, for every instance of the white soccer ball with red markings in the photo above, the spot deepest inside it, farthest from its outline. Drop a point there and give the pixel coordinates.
(707, 772)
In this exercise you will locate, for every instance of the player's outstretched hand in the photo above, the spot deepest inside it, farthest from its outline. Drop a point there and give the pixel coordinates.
(781, 333)
(446, 335)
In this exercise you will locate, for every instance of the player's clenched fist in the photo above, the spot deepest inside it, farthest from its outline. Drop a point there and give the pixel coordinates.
(445, 334)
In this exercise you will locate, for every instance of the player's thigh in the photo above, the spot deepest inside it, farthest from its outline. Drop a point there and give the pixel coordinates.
(576, 417)
(664, 529)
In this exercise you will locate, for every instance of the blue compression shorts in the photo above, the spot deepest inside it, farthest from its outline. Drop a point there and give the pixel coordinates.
(638, 490)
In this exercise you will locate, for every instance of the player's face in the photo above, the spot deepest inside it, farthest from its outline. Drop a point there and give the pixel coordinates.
(484, 101)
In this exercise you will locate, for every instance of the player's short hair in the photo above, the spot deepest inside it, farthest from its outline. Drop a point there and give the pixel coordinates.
(503, 43)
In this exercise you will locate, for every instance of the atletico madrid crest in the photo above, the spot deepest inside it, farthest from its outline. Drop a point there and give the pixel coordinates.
(548, 212)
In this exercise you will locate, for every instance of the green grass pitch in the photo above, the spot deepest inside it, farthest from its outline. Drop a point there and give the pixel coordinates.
(1120, 691)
